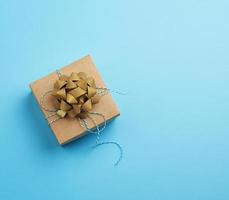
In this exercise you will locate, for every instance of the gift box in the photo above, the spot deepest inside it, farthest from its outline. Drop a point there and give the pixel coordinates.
(67, 129)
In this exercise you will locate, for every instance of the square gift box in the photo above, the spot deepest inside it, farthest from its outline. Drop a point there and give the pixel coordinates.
(67, 129)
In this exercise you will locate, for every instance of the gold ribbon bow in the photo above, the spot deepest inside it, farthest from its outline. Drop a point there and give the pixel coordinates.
(75, 95)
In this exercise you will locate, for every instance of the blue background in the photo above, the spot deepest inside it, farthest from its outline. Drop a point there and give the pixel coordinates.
(172, 59)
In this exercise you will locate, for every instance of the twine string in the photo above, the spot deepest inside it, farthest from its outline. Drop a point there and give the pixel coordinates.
(59, 73)
(105, 91)
(117, 145)
(43, 97)
(84, 122)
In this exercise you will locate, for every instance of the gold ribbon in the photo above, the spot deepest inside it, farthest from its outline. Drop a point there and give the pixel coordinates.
(75, 95)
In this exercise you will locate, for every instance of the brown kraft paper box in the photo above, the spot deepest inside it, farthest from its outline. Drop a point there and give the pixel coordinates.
(68, 129)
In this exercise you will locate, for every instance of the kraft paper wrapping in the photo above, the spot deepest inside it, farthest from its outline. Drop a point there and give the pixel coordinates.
(68, 129)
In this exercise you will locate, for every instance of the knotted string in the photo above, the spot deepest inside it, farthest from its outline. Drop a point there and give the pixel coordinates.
(83, 122)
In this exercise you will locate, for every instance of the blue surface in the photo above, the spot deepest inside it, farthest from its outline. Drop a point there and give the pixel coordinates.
(172, 58)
